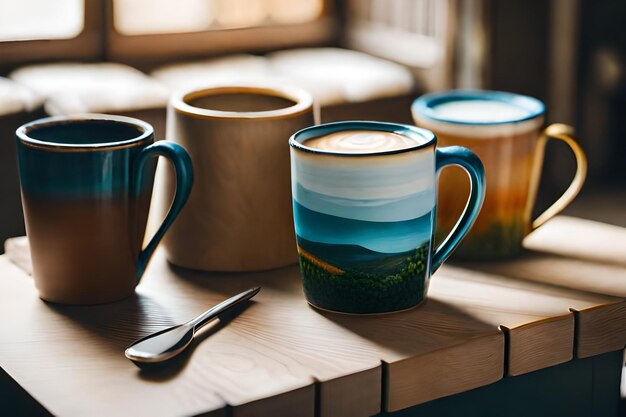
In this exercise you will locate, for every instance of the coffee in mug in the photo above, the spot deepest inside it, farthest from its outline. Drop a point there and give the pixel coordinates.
(506, 131)
(86, 185)
(364, 199)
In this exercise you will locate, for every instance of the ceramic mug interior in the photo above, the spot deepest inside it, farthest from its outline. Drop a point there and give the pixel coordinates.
(240, 102)
(91, 131)
(85, 132)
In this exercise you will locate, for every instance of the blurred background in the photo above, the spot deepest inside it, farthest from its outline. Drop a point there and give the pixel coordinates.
(361, 59)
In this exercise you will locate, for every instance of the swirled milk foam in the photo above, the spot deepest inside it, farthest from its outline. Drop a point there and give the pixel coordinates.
(362, 142)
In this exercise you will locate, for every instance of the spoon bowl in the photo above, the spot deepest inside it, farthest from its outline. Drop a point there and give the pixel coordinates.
(165, 344)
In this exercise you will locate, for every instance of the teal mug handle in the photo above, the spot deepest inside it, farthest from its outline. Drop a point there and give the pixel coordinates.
(184, 181)
(466, 159)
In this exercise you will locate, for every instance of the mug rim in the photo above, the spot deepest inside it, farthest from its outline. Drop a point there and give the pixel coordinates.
(296, 140)
(302, 102)
(424, 105)
(147, 133)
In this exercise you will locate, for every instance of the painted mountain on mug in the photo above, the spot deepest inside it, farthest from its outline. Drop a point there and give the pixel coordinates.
(355, 257)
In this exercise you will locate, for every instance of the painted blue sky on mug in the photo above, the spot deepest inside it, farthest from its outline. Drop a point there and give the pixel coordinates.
(384, 204)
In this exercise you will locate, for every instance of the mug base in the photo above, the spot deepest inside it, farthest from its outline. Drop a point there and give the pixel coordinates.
(89, 301)
(228, 267)
(382, 313)
(476, 256)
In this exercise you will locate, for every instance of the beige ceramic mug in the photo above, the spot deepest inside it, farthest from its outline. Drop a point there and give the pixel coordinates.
(239, 215)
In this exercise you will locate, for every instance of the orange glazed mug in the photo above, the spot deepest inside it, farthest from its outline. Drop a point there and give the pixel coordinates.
(506, 131)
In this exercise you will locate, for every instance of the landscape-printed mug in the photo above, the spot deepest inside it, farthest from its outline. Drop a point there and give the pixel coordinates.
(506, 131)
(365, 216)
(86, 186)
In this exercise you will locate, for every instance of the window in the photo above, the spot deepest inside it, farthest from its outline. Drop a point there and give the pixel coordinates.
(417, 33)
(408, 31)
(49, 29)
(156, 29)
(130, 31)
(40, 19)
(146, 17)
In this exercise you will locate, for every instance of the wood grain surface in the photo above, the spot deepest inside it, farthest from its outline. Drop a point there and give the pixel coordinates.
(583, 255)
(536, 319)
(272, 357)
(572, 253)
(279, 356)
(580, 239)
(600, 329)
(18, 252)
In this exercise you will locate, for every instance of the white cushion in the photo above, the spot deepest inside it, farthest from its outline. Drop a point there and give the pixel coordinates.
(336, 75)
(15, 98)
(331, 75)
(228, 70)
(92, 88)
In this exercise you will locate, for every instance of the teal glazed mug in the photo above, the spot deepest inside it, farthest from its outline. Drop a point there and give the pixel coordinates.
(364, 202)
(86, 185)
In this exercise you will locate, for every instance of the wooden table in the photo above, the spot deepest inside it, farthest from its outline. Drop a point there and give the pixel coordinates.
(481, 323)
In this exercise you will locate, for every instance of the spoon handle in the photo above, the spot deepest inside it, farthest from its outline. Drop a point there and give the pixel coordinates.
(215, 311)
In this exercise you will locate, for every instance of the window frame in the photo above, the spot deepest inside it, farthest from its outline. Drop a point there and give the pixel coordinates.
(435, 73)
(133, 48)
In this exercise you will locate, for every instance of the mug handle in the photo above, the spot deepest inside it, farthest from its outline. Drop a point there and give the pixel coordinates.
(466, 159)
(564, 133)
(184, 180)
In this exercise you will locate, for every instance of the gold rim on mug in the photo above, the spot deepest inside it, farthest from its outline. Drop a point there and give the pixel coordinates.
(303, 102)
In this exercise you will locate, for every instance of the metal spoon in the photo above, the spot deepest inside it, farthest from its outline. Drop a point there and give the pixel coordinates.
(166, 344)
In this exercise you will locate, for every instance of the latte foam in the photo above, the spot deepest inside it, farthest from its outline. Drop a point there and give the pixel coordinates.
(362, 141)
